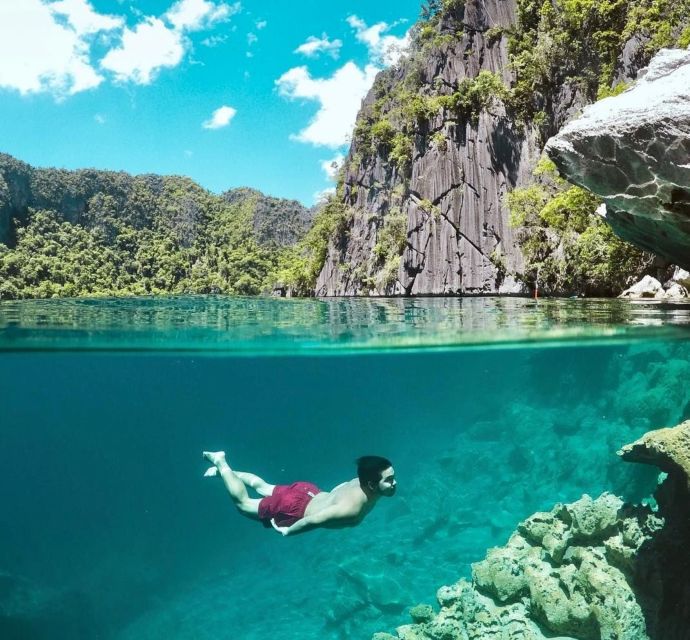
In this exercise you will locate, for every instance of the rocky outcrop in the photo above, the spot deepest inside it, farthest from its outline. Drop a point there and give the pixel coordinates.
(650, 287)
(468, 152)
(633, 150)
(458, 236)
(591, 570)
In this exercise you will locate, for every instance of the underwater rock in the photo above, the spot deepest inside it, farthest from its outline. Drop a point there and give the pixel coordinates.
(668, 449)
(633, 150)
(595, 569)
(551, 579)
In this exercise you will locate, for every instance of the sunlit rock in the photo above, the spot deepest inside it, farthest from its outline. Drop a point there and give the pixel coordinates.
(648, 287)
(633, 150)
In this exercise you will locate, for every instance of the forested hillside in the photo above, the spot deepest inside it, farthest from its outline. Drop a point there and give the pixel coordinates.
(89, 233)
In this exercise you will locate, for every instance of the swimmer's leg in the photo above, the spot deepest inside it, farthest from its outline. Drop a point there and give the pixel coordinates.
(255, 482)
(238, 492)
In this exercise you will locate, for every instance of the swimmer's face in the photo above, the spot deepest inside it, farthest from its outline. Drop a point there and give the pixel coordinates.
(387, 483)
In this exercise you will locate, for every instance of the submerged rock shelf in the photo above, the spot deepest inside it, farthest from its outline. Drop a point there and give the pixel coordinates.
(591, 570)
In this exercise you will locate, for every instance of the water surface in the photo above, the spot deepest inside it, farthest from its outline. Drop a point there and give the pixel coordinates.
(490, 410)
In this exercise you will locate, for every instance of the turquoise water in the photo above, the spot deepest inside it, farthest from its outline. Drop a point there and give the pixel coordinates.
(489, 409)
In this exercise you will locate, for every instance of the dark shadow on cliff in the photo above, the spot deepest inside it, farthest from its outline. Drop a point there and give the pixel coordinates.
(505, 145)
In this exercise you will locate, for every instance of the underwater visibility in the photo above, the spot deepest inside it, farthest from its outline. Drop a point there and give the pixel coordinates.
(489, 409)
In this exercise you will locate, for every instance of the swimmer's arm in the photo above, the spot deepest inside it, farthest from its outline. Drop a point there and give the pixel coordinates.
(282, 530)
(329, 514)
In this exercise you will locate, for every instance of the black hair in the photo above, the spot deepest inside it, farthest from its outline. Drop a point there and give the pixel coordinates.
(369, 468)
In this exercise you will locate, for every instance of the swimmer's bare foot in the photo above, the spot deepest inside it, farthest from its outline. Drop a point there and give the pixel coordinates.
(216, 458)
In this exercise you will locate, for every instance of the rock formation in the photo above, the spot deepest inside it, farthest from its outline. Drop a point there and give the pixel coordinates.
(633, 150)
(445, 170)
(650, 287)
(458, 236)
(590, 570)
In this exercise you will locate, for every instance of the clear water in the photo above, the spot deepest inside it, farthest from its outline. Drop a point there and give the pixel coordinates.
(490, 410)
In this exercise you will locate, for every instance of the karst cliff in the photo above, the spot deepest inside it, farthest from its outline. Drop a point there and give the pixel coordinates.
(446, 135)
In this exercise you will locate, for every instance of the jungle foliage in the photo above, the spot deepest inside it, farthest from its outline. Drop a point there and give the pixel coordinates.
(90, 233)
(567, 247)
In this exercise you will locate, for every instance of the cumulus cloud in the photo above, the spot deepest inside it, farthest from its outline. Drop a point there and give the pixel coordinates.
(193, 15)
(383, 49)
(339, 98)
(152, 45)
(38, 53)
(147, 48)
(261, 24)
(221, 118)
(314, 46)
(46, 45)
(82, 18)
(321, 197)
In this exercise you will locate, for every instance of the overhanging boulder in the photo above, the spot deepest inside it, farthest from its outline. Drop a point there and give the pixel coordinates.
(633, 150)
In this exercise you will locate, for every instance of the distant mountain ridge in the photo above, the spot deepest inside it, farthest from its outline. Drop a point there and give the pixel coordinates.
(90, 232)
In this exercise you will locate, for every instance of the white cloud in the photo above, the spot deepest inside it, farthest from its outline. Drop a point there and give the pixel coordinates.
(100, 119)
(146, 49)
(82, 18)
(214, 41)
(385, 50)
(251, 38)
(321, 197)
(39, 54)
(221, 118)
(45, 46)
(261, 24)
(193, 15)
(332, 166)
(339, 98)
(314, 46)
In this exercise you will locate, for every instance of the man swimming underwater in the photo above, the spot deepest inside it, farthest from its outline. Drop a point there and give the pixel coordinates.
(302, 506)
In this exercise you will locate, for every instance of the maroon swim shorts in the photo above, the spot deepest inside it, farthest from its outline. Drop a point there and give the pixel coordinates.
(287, 504)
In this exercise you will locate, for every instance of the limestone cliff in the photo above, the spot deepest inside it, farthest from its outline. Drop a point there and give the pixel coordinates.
(590, 570)
(450, 192)
(461, 121)
(633, 150)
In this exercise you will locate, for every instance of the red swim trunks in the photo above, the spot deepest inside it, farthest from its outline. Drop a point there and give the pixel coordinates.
(287, 504)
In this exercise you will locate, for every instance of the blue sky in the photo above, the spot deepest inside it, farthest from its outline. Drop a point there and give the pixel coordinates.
(259, 94)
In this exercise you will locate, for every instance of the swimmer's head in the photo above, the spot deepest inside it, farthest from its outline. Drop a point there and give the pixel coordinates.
(376, 474)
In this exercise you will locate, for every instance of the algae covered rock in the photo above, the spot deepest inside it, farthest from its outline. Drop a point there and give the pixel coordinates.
(565, 573)
(594, 569)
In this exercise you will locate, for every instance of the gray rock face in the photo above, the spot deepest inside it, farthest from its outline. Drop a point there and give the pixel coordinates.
(458, 237)
(633, 150)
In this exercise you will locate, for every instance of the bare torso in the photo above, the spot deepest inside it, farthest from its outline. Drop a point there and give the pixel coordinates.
(348, 494)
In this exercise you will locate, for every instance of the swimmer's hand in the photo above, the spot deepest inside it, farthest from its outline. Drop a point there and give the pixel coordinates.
(281, 530)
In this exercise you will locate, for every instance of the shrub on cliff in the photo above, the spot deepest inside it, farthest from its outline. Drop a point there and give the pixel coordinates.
(568, 249)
